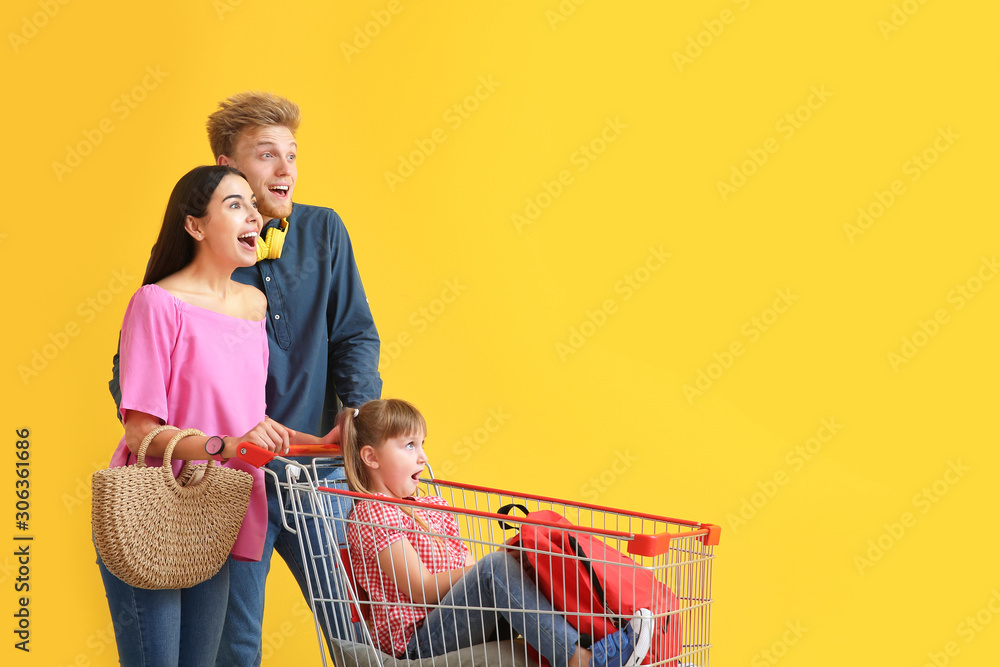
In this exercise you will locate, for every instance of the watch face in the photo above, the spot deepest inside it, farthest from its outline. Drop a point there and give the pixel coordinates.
(214, 445)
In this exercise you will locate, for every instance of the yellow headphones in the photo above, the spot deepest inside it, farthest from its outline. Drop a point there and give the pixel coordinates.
(270, 247)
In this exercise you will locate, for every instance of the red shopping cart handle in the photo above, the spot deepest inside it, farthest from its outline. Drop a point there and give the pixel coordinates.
(258, 456)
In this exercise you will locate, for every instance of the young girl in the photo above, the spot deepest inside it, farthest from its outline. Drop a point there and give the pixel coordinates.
(408, 559)
(194, 355)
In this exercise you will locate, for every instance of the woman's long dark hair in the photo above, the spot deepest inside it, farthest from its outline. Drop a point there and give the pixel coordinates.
(174, 248)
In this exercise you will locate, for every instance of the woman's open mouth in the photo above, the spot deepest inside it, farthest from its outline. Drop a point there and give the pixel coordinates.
(249, 240)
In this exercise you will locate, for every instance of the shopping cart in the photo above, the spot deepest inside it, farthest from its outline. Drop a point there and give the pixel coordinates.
(676, 554)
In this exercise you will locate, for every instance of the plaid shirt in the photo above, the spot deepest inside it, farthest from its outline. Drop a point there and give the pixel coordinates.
(373, 527)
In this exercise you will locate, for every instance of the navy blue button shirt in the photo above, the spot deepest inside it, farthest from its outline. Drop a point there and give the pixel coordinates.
(322, 338)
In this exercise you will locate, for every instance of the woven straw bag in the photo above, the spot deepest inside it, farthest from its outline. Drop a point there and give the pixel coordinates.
(152, 532)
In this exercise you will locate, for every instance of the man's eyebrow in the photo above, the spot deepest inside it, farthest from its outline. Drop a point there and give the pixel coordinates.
(263, 144)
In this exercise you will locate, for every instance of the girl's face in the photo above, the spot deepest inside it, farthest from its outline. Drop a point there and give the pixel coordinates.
(231, 222)
(395, 466)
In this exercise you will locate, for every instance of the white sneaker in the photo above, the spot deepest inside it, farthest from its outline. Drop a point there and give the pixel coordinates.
(642, 633)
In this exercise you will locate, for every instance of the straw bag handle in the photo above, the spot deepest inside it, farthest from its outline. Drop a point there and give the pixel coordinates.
(168, 473)
(141, 454)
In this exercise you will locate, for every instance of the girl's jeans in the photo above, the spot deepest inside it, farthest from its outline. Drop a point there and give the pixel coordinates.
(495, 590)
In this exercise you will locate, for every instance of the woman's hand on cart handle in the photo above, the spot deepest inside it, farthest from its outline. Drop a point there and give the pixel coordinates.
(268, 435)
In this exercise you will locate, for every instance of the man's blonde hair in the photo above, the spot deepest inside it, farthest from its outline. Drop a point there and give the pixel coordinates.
(249, 110)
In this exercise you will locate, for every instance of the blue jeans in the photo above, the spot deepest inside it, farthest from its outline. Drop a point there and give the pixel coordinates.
(495, 591)
(167, 627)
(241, 637)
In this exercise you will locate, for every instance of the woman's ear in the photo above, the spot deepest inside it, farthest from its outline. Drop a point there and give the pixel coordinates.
(193, 226)
(369, 457)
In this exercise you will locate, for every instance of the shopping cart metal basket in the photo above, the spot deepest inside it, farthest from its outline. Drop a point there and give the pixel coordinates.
(676, 554)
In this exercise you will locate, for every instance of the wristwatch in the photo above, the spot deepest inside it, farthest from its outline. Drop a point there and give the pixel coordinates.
(214, 446)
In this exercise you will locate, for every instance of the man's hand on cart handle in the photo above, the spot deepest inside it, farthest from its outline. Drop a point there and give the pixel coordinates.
(333, 437)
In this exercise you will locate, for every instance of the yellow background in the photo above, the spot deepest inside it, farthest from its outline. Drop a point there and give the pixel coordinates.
(684, 94)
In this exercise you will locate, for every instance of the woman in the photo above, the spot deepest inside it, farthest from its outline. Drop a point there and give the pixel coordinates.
(194, 355)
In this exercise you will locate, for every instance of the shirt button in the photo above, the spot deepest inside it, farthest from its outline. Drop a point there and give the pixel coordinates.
(277, 317)
(267, 279)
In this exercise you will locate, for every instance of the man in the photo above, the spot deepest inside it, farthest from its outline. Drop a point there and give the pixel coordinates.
(322, 339)
(323, 344)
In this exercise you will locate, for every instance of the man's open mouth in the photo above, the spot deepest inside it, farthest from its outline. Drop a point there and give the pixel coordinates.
(279, 190)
